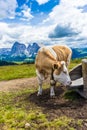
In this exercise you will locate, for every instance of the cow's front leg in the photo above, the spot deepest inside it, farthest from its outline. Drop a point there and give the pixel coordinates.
(52, 84)
(40, 87)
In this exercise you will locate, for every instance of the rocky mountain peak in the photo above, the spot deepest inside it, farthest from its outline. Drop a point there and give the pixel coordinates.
(18, 48)
(33, 49)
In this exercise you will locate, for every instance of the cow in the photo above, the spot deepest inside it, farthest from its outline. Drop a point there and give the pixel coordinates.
(53, 61)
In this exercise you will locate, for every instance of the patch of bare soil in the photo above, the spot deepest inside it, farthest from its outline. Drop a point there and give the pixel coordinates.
(59, 106)
(17, 84)
(56, 107)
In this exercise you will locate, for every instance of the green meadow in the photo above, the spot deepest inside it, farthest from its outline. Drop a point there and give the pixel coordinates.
(16, 110)
(17, 71)
(24, 71)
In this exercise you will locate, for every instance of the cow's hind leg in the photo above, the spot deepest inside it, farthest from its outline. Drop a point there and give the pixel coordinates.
(40, 87)
(40, 82)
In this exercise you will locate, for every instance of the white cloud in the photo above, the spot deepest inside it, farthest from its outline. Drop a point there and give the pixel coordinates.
(67, 12)
(42, 1)
(70, 13)
(7, 8)
(5, 35)
(26, 13)
(22, 33)
(73, 3)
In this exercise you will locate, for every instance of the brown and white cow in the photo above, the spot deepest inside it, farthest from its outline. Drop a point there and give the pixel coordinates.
(53, 61)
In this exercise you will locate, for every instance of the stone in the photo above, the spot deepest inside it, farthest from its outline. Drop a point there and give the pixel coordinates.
(27, 125)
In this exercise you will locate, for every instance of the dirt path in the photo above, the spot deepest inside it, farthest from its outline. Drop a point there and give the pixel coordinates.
(16, 84)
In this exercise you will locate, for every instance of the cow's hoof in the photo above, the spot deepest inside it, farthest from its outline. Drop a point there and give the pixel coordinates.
(52, 96)
(39, 94)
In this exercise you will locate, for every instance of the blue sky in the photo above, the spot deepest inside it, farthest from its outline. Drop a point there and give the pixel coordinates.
(43, 21)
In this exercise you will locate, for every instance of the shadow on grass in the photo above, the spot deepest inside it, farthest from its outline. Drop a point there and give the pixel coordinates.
(61, 100)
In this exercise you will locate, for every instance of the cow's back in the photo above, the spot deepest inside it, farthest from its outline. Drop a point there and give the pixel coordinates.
(63, 52)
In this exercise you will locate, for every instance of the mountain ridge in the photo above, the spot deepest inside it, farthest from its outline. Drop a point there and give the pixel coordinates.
(20, 52)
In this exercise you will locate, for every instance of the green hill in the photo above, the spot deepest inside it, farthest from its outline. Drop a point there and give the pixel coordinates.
(5, 63)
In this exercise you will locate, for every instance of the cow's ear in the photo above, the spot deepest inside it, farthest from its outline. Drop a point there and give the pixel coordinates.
(63, 63)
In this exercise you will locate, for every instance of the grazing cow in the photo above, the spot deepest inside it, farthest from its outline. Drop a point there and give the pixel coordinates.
(53, 61)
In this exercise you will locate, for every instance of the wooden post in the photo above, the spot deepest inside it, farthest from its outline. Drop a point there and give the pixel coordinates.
(84, 73)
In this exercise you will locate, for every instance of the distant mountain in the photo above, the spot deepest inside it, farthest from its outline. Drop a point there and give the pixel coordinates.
(33, 49)
(19, 52)
(6, 63)
(5, 51)
(18, 49)
(79, 53)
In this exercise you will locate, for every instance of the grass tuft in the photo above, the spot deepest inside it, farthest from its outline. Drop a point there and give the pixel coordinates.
(71, 95)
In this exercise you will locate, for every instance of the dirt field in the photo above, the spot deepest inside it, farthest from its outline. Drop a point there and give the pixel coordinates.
(17, 84)
(56, 107)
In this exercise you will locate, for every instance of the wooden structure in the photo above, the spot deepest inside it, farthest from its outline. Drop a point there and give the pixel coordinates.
(78, 76)
(84, 72)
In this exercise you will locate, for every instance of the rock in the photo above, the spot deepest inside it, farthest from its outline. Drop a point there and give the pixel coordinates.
(27, 125)
(85, 124)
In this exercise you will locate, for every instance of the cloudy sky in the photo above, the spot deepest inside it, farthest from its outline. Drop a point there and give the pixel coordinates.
(43, 21)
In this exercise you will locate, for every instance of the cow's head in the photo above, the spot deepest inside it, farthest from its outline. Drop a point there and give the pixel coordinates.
(61, 73)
